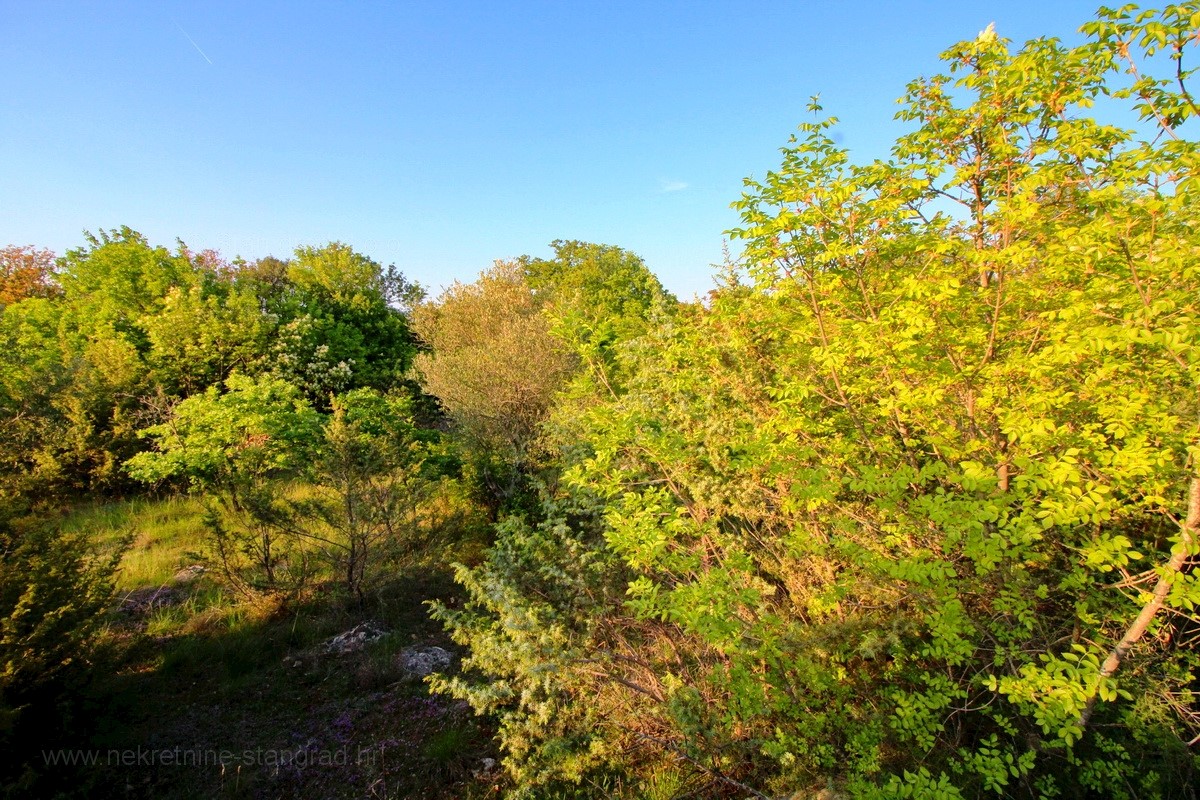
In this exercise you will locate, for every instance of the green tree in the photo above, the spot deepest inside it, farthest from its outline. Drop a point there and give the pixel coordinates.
(74, 375)
(495, 367)
(204, 328)
(341, 326)
(297, 489)
(597, 294)
(33, 370)
(70, 401)
(117, 279)
(599, 299)
(242, 447)
(372, 471)
(54, 590)
(138, 327)
(134, 326)
(909, 508)
(529, 337)
(540, 610)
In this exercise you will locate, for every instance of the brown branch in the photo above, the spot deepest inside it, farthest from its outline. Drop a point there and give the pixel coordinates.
(1163, 123)
(1183, 90)
(1179, 557)
(653, 695)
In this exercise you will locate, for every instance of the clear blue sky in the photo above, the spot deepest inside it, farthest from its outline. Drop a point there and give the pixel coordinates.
(440, 136)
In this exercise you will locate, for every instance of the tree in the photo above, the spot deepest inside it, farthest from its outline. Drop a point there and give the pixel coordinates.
(339, 329)
(137, 327)
(203, 334)
(372, 471)
(909, 509)
(599, 299)
(76, 378)
(597, 294)
(25, 272)
(508, 349)
(494, 366)
(118, 278)
(241, 447)
(54, 591)
(296, 488)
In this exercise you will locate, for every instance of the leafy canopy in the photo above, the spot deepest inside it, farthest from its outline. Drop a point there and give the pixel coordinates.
(901, 509)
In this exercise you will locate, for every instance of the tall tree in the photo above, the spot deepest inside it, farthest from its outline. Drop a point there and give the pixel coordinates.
(340, 326)
(909, 510)
(598, 298)
(598, 293)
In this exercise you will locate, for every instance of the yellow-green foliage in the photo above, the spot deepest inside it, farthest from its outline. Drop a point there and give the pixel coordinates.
(891, 499)
(54, 587)
(492, 361)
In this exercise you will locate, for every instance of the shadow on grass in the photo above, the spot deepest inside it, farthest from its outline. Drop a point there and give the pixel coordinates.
(212, 699)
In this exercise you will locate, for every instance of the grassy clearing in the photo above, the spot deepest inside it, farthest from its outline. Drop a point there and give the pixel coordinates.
(160, 536)
(210, 672)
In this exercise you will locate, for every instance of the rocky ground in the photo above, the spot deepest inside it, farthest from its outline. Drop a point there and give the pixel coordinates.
(302, 703)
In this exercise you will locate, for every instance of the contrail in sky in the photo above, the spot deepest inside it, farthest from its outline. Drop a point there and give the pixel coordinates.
(198, 50)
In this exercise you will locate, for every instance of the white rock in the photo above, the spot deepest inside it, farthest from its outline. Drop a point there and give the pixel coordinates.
(189, 573)
(422, 661)
(354, 640)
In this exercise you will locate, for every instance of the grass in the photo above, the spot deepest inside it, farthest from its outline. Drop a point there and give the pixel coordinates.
(450, 744)
(160, 536)
(214, 671)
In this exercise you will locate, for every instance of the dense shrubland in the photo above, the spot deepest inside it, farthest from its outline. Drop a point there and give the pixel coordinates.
(906, 507)
(275, 390)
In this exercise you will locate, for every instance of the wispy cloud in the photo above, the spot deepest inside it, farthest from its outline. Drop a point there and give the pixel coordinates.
(198, 50)
(672, 186)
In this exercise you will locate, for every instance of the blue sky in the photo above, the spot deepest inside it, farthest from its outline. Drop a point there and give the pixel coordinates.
(440, 136)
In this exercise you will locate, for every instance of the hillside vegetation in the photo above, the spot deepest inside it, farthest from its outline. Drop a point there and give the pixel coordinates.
(907, 507)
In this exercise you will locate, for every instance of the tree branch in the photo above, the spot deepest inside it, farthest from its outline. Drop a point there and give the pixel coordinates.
(1179, 557)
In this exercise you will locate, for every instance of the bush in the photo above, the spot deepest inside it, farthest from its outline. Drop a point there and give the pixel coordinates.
(909, 507)
(54, 590)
